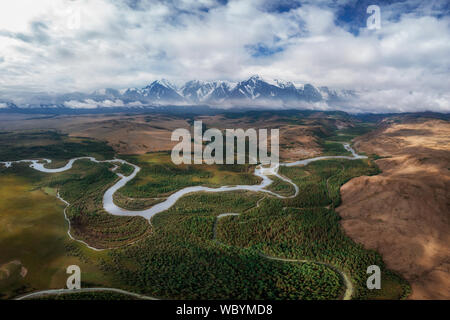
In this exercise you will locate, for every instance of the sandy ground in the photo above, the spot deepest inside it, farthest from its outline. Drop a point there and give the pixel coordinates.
(404, 213)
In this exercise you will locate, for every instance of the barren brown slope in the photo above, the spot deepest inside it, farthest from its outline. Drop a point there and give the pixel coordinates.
(141, 133)
(297, 141)
(404, 213)
(126, 134)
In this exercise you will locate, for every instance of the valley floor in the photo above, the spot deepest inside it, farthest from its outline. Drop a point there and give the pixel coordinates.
(273, 241)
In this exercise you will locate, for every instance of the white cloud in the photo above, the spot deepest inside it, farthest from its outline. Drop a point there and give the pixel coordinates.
(92, 104)
(403, 66)
(87, 104)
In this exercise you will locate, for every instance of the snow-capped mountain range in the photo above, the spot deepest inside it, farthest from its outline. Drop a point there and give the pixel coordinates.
(251, 92)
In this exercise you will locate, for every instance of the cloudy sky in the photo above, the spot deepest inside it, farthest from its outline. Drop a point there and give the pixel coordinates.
(83, 45)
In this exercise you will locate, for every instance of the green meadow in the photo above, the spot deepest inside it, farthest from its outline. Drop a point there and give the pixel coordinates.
(33, 231)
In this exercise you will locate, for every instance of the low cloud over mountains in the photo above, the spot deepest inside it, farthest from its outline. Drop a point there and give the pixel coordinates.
(253, 92)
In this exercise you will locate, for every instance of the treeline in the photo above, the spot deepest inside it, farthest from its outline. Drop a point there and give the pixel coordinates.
(50, 145)
(125, 169)
(320, 181)
(331, 148)
(281, 187)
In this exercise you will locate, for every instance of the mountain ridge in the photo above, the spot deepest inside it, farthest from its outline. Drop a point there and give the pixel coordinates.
(253, 91)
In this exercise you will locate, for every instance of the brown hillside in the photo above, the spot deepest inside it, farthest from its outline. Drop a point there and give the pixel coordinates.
(404, 213)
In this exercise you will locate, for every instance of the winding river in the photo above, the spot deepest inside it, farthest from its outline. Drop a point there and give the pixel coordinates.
(108, 204)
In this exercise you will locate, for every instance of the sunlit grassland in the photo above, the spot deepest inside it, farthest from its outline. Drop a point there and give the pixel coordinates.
(33, 230)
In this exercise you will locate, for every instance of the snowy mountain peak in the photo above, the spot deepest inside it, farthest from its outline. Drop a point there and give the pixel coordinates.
(255, 77)
(162, 82)
(283, 84)
(196, 91)
(253, 91)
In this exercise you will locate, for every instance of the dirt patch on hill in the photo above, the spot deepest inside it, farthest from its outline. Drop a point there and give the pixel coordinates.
(11, 269)
(404, 213)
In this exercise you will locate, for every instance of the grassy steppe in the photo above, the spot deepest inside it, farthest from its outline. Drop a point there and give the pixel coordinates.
(34, 232)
